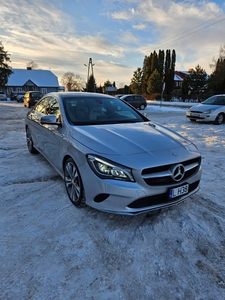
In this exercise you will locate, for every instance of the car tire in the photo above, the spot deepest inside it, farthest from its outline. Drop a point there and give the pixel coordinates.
(142, 106)
(219, 119)
(73, 183)
(30, 144)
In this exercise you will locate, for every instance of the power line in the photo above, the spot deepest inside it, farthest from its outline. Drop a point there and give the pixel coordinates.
(181, 36)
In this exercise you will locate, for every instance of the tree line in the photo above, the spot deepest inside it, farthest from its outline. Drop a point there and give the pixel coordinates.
(154, 79)
(157, 74)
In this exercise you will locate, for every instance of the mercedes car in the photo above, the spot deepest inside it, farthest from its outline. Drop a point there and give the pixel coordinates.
(111, 156)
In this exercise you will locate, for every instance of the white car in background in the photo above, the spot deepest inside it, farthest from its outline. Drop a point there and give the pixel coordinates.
(210, 110)
(3, 96)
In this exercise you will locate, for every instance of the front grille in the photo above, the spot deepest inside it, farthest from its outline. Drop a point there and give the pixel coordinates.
(162, 175)
(159, 199)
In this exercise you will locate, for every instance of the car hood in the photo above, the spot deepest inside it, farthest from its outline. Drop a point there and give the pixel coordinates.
(204, 107)
(127, 139)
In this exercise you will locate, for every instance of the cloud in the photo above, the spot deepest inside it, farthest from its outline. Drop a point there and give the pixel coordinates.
(124, 15)
(140, 26)
(55, 34)
(128, 37)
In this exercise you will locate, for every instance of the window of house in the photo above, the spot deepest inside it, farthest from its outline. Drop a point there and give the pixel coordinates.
(44, 91)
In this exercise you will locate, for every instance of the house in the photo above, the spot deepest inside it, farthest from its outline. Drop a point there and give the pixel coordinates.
(111, 90)
(25, 80)
(179, 77)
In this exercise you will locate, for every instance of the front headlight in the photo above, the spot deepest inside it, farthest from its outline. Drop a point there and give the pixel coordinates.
(109, 170)
(209, 111)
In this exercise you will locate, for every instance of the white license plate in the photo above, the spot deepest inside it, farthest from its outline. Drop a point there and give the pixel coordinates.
(194, 115)
(179, 191)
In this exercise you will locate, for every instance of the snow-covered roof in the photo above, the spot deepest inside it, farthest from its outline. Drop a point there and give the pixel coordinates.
(177, 78)
(42, 78)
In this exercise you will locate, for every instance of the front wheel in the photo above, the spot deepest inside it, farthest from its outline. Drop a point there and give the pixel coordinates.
(73, 183)
(142, 107)
(30, 144)
(219, 119)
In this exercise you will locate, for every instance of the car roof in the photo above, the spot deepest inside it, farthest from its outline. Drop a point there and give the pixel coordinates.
(81, 94)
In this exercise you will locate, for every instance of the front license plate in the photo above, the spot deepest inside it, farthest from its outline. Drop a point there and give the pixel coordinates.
(194, 115)
(179, 191)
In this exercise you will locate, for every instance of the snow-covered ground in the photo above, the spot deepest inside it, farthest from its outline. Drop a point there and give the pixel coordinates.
(51, 250)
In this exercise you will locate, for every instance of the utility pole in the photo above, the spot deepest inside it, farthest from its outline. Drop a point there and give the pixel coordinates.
(90, 68)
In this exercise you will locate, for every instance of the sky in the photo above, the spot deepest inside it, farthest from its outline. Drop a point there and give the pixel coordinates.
(62, 35)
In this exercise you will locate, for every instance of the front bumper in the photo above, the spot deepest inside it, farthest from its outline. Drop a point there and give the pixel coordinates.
(201, 117)
(132, 198)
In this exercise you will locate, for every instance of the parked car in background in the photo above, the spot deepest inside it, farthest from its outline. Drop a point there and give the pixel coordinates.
(3, 96)
(210, 110)
(112, 157)
(20, 96)
(31, 98)
(14, 95)
(119, 95)
(136, 101)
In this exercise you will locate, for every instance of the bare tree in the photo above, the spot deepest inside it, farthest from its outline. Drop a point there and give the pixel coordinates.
(33, 65)
(73, 82)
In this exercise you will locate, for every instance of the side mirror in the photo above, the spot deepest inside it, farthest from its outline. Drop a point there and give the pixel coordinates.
(50, 120)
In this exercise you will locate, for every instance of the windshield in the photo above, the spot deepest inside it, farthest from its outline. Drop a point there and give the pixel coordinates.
(99, 110)
(215, 100)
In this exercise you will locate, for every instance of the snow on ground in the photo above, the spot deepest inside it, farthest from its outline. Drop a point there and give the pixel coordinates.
(51, 250)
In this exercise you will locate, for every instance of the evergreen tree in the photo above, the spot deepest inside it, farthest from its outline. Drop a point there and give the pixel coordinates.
(154, 83)
(5, 69)
(146, 73)
(108, 83)
(161, 56)
(169, 71)
(195, 83)
(91, 84)
(136, 82)
(217, 79)
(154, 62)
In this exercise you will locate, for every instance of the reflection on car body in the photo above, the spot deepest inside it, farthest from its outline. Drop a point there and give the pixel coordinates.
(111, 156)
(210, 110)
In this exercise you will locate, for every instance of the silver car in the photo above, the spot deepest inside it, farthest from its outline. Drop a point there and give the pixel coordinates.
(211, 110)
(3, 96)
(111, 156)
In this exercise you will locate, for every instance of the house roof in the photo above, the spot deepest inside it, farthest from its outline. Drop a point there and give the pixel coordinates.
(181, 74)
(42, 78)
(177, 78)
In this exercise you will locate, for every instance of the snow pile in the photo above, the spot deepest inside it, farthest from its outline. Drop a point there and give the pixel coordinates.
(52, 250)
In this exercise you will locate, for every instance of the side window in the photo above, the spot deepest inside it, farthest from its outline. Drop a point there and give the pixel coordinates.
(53, 107)
(49, 106)
(220, 100)
(129, 98)
(42, 106)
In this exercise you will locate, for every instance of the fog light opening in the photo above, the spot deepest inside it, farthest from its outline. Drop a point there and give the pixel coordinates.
(101, 197)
